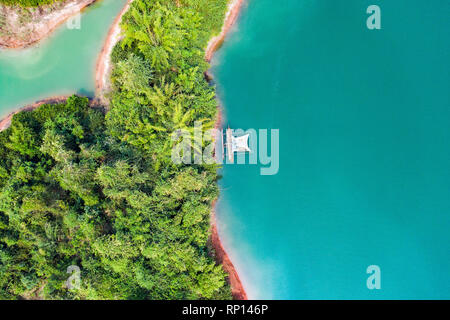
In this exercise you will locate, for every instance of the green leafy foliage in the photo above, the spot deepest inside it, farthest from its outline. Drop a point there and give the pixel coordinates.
(100, 192)
(28, 3)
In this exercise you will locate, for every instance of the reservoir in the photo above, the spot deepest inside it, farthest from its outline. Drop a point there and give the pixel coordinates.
(364, 139)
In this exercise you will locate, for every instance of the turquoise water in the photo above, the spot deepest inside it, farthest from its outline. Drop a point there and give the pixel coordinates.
(364, 120)
(64, 63)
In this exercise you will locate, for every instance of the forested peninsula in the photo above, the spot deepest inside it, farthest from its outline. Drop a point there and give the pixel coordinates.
(96, 188)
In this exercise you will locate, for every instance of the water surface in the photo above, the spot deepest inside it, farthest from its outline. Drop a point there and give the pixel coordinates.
(63, 63)
(364, 118)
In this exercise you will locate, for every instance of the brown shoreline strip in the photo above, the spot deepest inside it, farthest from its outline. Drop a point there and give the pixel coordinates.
(6, 122)
(237, 289)
(232, 15)
(103, 66)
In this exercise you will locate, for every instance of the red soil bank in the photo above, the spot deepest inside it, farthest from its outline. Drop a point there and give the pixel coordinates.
(49, 23)
(237, 289)
(103, 67)
(232, 15)
(6, 122)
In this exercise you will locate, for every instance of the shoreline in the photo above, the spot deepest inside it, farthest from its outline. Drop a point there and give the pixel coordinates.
(52, 21)
(234, 9)
(6, 121)
(237, 288)
(103, 64)
(221, 256)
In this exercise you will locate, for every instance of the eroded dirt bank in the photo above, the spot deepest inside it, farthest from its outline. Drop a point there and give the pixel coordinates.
(6, 121)
(20, 28)
(234, 9)
(103, 67)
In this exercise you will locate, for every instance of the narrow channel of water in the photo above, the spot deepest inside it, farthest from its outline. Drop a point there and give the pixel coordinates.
(63, 63)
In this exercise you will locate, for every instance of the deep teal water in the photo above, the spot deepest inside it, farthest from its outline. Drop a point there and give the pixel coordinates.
(364, 120)
(63, 63)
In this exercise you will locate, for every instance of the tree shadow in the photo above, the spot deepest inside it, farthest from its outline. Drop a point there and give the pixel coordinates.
(85, 93)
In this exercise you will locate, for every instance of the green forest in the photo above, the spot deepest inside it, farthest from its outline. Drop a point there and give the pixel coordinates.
(29, 3)
(95, 188)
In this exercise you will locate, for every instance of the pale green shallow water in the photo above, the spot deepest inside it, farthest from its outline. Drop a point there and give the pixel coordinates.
(62, 64)
(364, 119)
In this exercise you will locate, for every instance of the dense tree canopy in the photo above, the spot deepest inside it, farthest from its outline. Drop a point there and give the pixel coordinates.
(100, 192)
